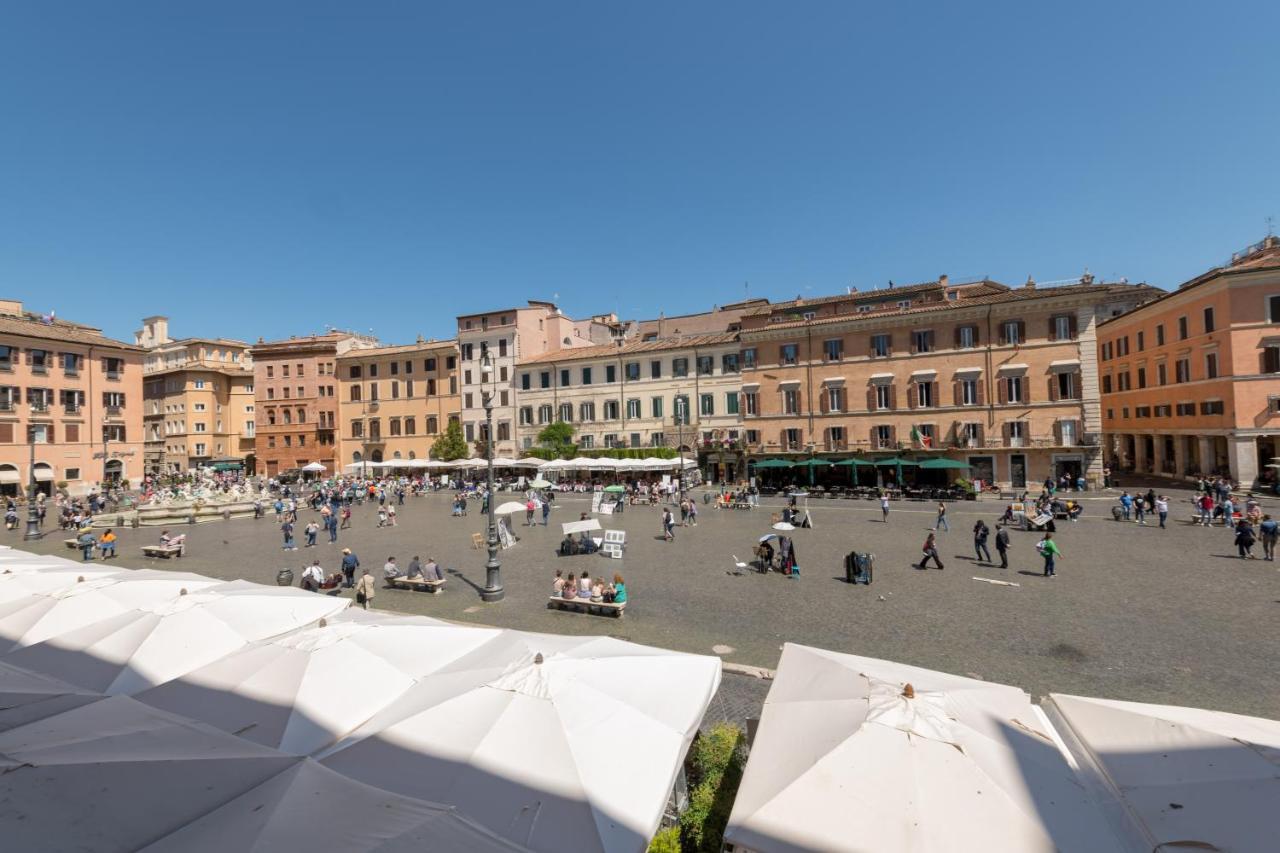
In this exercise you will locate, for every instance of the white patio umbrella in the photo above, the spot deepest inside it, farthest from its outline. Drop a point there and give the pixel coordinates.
(511, 736)
(290, 812)
(586, 526)
(29, 696)
(117, 774)
(418, 464)
(314, 467)
(529, 462)
(553, 465)
(44, 616)
(502, 462)
(601, 463)
(17, 584)
(1185, 777)
(784, 525)
(303, 691)
(854, 753)
(13, 560)
(140, 648)
(509, 507)
(654, 463)
(539, 483)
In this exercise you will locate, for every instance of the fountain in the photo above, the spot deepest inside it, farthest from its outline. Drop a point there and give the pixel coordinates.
(203, 500)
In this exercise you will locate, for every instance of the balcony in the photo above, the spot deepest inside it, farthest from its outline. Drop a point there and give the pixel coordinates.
(114, 375)
(114, 411)
(70, 409)
(7, 405)
(39, 408)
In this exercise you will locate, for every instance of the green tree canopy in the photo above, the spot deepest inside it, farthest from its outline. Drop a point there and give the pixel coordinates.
(557, 437)
(451, 445)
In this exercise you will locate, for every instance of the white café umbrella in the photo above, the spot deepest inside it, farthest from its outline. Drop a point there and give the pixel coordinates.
(854, 753)
(418, 464)
(502, 462)
(586, 526)
(17, 584)
(13, 560)
(539, 483)
(117, 774)
(654, 463)
(310, 807)
(44, 616)
(510, 735)
(1184, 777)
(784, 525)
(510, 507)
(140, 648)
(303, 691)
(314, 467)
(554, 465)
(529, 462)
(29, 696)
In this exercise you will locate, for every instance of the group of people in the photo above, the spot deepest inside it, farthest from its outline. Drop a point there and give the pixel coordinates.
(588, 589)
(1138, 507)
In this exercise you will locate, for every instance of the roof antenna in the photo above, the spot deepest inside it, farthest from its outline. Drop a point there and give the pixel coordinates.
(1271, 226)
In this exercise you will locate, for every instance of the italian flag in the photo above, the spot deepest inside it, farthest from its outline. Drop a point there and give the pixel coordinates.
(917, 436)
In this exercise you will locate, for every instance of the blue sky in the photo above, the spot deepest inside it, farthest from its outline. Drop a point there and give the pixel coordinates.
(266, 169)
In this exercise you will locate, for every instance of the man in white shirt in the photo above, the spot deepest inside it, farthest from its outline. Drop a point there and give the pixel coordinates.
(390, 571)
(312, 577)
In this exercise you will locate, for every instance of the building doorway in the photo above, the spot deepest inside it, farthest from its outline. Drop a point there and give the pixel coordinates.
(982, 468)
(114, 472)
(1072, 466)
(10, 481)
(44, 478)
(1018, 471)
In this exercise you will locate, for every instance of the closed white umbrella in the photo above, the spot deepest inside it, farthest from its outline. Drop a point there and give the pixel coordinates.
(310, 807)
(28, 696)
(117, 775)
(140, 648)
(303, 691)
(856, 754)
(1185, 777)
(510, 507)
(516, 736)
(47, 615)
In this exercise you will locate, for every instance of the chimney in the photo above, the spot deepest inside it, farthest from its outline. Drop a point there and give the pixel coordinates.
(1087, 278)
(942, 279)
(1031, 283)
(11, 307)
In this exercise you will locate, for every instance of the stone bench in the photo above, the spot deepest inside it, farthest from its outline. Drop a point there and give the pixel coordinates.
(586, 605)
(421, 584)
(165, 551)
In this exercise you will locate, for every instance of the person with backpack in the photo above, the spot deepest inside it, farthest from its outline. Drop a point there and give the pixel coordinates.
(1049, 550)
(930, 551)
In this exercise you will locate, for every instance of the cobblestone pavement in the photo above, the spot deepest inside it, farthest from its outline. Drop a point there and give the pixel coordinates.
(1136, 612)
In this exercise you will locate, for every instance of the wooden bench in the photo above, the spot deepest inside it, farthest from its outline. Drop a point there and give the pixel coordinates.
(421, 584)
(165, 551)
(586, 605)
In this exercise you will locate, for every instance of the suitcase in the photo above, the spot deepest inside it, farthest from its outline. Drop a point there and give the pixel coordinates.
(859, 568)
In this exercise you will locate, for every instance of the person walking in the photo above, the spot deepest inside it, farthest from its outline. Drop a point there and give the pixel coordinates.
(1244, 539)
(1270, 531)
(1002, 545)
(1139, 511)
(1206, 509)
(1126, 504)
(1228, 512)
(546, 513)
(884, 507)
(1162, 509)
(980, 534)
(668, 525)
(1049, 550)
(350, 562)
(331, 523)
(107, 544)
(930, 551)
(365, 589)
(941, 523)
(391, 515)
(529, 507)
(286, 528)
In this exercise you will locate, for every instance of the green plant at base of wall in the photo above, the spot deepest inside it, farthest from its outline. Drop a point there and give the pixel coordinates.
(715, 765)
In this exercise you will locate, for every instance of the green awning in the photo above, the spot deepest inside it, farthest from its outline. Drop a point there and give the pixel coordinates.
(944, 463)
(614, 489)
(894, 460)
(774, 463)
(227, 466)
(811, 463)
(860, 463)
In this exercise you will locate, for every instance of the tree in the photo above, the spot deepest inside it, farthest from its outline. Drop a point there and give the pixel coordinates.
(451, 445)
(558, 437)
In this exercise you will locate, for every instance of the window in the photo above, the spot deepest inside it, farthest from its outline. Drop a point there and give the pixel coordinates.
(1122, 346)
(749, 354)
(1160, 335)
(408, 384)
(610, 410)
(433, 425)
(791, 401)
(881, 346)
(393, 426)
(1106, 351)
(587, 441)
(1142, 411)
(682, 409)
(884, 397)
(924, 395)
(633, 408)
(526, 381)
(1185, 409)
(7, 354)
(200, 426)
(410, 424)
(544, 379)
(1271, 359)
(791, 438)
(968, 392)
(467, 351)
(526, 415)
(1061, 326)
(1017, 433)
(835, 399)
(564, 378)
(833, 350)
(395, 387)
(70, 363)
(502, 347)
(971, 434)
(1211, 365)
(655, 407)
(113, 366)
(706, 365)
(1142, 377)
(587, 412)
(1211, 407)
(1208, 320)
(113, 399)
(922, 340)
(1067, 386)
(1011, 331)
(1164, 411)
(787, 354)
(113, 432)
(729, 362)
(679, 367)
(39, 433)
(544, 413)
(1162, 374)
(1013, 389)
(1122, 381)
(655, 369)
(39, 360)
(837, 436)
(632, 371)
(1273, 309)
(731, 403)
(1142, 341)
(1182, 328)
(884, 437)
(1182, 370)
(967, 337)
(586, 376)
(566, 412)
(706, 405)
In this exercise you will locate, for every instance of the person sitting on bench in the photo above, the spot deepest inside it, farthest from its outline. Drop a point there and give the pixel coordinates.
(586, 544)
(390, 571)
(179, 541)
(431, 571)
(584, 586)
(415, 569)
(570, 588)
(568, 546)
(557, 586)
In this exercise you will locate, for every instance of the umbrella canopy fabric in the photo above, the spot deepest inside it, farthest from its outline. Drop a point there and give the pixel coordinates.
(504, 462)
(117, 774)
(302, 692)
(943, 463)
(539, 483)
(43, 616)
(16, 583)
(529, 462)
(1220, 769)
(774, 463)
(855, 463)
(314, 466)
(553, 465)
(784, 525)
(847, 758)
(895, 460)
(615, 490)
(28, 696)
(282, 814)
(510, 507)
(768, 536)
(511, 736)
(585, 526)
(140, 648)
(812, 463)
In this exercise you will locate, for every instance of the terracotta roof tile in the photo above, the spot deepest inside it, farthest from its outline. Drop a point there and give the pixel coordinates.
(59, 330)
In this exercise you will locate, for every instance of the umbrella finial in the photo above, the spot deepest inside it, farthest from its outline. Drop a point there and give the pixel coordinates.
(80, 579)
(909, 692)
(537, 658)
(323, 623)
(182, 591)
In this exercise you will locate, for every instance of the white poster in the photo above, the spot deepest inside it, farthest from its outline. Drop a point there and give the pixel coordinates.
(595, 501)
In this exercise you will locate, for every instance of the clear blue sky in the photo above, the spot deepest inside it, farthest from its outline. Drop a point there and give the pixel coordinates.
(267, 168)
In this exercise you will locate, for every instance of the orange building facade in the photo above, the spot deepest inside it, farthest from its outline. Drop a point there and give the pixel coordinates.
(295, 385)
(1190, 382)
(1003, 379)
(70, 405)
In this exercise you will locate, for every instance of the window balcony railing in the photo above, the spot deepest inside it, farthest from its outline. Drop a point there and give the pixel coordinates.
(70, 409)
(113, 375)
(39, 407)
(113, 411)
(6, 406)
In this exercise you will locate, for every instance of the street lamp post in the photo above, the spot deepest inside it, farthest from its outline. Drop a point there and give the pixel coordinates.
(682, 415)
(33, 516)
(493, 590)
